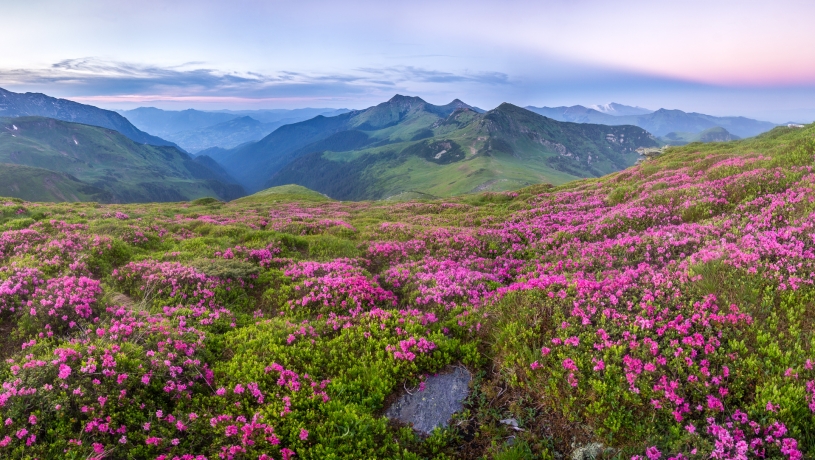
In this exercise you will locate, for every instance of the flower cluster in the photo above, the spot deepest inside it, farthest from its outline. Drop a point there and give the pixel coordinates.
(664, 312)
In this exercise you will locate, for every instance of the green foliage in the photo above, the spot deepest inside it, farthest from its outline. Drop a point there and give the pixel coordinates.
(284, 193)
(226, 268)
(519, 451)
(111, 256)
(324, 247)
(619, 195)
(205, 201)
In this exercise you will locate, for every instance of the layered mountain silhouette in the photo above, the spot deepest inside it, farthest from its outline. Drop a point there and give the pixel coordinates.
(227, 134)
(40, 105)
(56, 160)
(197, 130)
(406, 145)
(616, 109)
(658, 123)
(402, 148)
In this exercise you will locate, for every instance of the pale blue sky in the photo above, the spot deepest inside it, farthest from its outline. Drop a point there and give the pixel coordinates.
(722, 57)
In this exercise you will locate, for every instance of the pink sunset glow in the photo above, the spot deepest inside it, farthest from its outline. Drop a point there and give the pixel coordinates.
(725, 57)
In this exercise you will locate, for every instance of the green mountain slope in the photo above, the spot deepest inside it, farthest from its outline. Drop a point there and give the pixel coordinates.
(503, 149)
(107, 161)
(253, 164)
(400, 119)
(40, 105)
(716, 134)
(406, 144)
(38, 184)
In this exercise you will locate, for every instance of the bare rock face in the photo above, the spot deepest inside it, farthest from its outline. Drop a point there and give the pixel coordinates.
(443, 395)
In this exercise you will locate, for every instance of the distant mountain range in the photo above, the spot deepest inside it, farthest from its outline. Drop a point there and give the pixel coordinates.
(408, 146)
(54, 160)
(659, 123)
(197, 130)
(402, 148)
(616, 109)
(40, 105)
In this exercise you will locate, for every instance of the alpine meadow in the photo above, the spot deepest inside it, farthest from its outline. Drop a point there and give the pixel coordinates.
(260, 230)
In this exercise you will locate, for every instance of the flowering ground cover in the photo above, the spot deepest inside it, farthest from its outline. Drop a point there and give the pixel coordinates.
(662, 312)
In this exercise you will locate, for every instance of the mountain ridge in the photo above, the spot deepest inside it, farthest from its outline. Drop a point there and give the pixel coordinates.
(658, 122)
(465, 151)
(400, 119)
(41, 105)
(613, 108)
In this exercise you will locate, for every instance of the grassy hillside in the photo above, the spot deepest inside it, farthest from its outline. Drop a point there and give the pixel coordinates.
(106, 160)
(284, 193)
(408, 148)
(716, 134)
(38, 184)
(664, 311)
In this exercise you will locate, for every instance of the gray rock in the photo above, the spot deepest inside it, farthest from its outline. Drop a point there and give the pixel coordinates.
(589, 451)
(443, 395)
(513, 423)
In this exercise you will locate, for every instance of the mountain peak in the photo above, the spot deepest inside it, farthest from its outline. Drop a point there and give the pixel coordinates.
(506, 106)
(458, 104)
(400, 99)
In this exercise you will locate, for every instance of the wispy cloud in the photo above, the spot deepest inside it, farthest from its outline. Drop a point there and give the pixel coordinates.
(415, 74)
(93, 79)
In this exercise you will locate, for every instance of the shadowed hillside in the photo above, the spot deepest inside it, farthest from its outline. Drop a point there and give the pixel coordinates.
(105, 160)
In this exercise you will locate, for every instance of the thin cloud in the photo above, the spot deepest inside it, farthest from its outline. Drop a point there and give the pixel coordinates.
(416, 74)
(97, 78)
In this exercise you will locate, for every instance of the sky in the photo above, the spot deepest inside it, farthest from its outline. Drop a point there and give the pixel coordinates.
(721, 57)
